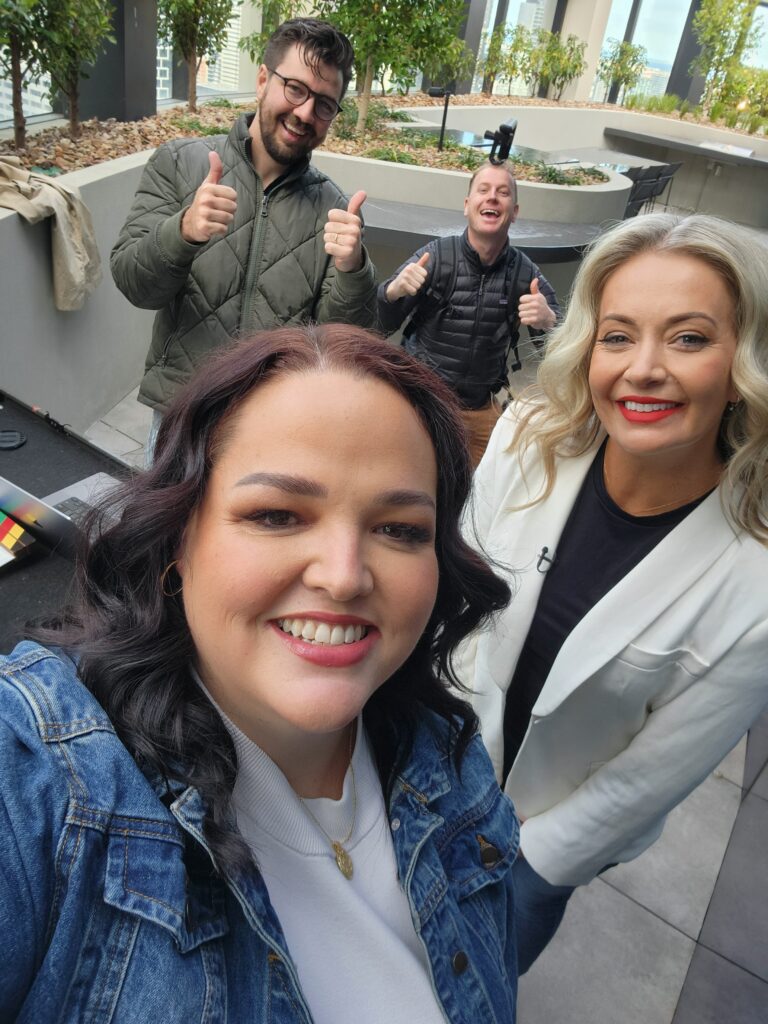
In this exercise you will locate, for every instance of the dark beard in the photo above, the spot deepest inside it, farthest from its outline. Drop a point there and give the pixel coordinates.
(280, 153)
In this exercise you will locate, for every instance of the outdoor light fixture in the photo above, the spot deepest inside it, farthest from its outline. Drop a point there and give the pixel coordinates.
(502, 141)
(437, 91)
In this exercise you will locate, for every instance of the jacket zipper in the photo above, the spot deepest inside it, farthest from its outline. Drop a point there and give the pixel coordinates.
(473, 337)
(254, 259)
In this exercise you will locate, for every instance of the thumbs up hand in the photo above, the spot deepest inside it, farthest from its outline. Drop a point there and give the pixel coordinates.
(213, 207)
(343, 235)
(534, 310)
(410, 280)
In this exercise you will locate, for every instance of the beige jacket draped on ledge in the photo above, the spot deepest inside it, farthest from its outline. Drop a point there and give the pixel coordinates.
(74, 254)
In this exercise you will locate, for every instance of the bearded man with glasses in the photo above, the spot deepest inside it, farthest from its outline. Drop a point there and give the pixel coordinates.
(238, 232)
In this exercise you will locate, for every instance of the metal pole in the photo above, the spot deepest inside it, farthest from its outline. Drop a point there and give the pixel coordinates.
(445, 115)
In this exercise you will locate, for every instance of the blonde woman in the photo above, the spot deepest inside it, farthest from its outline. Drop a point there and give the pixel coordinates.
(628, 497)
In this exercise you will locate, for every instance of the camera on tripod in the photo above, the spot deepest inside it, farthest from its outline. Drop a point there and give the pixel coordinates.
(502, 140)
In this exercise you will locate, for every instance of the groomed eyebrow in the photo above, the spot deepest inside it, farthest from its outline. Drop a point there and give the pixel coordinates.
(406, 498)
(285, 482)
(679, 318)
(300, 485)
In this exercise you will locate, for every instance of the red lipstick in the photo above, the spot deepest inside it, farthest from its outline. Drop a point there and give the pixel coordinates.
(649, 416)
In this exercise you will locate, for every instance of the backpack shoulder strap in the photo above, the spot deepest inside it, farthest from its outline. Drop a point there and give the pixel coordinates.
(510, 326)
(446, 256)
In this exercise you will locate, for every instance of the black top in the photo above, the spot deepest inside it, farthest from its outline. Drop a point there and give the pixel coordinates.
(599, 546)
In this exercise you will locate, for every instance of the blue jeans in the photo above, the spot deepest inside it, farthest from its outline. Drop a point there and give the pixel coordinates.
(539, 909)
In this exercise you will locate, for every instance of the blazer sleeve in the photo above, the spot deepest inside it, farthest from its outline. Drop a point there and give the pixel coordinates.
(477, 518)
(620, 809)
(481, 509)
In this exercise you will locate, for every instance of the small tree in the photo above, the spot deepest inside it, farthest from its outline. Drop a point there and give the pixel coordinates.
(565, 62)
(196, 28)
(492, 64)
(19, 57)
(72, 35)
(457, 62)
(370, 28)
(538, 58)
(724, 30)
(517, 56)
(401, 34)
(273, 13)
(621, 65)
(756, 90)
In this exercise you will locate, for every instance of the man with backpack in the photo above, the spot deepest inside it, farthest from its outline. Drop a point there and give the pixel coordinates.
(466, 298)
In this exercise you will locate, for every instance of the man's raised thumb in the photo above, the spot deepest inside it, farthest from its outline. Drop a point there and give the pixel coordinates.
(423, 259)
(356, 202)
(216, 168)
(535, 286)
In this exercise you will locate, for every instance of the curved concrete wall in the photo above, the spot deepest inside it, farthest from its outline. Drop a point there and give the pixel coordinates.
(426, 186)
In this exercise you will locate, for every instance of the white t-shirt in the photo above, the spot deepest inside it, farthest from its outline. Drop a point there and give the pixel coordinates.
(352, 940)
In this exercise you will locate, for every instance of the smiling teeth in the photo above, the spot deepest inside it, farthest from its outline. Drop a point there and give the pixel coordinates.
(649, 406)
(322, 632)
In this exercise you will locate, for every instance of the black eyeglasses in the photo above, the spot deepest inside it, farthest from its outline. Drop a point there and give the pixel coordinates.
(297, 93)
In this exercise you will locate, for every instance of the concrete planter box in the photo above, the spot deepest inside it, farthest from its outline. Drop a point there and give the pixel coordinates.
(426, 186)
(75, 365)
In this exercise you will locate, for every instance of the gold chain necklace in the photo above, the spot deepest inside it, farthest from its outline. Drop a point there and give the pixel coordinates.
(676, 503)
(343, 859)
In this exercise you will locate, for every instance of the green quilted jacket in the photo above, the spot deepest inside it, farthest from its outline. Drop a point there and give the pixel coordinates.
(270, 268)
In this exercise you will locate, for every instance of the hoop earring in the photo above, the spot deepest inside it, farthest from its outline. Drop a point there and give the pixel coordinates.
(166, 570)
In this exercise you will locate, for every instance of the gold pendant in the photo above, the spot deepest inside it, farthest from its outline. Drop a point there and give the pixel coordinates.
(343, 860)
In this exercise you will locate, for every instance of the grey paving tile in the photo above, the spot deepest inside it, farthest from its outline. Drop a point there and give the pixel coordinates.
(757, 750)
(718, 992)
(736, 925)
(760, 787)
(611, 962)
(135, 459)
(676, 876)
(130, 417)
(732, 765)
(111, 440)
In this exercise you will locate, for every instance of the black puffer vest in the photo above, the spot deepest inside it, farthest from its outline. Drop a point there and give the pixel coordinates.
(468, 321)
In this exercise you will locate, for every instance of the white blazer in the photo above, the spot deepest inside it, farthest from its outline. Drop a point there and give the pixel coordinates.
(648, 693)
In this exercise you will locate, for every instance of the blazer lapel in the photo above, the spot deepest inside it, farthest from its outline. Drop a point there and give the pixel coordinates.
(625, 612)
(524, 536)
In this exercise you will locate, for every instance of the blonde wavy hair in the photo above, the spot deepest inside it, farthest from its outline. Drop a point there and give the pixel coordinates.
(557, 418)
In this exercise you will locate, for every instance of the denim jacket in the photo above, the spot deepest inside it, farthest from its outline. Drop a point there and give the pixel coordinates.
(111, 912)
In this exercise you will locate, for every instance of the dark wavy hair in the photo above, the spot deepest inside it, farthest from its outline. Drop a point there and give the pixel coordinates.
(131, 639)
(319, 42)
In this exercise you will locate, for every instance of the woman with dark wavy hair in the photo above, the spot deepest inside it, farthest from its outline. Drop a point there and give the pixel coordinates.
(238, 788)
